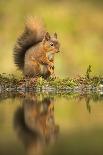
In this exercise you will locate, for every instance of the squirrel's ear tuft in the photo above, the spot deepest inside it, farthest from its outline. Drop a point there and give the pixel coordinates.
(55, 35)
(47, 36)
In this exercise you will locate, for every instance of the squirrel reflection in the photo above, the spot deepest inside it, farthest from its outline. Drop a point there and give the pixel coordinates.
(34, 123)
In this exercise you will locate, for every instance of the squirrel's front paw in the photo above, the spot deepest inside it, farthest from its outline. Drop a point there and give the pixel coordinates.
(51, 65)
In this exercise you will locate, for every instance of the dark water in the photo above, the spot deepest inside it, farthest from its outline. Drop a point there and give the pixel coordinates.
(48, 124)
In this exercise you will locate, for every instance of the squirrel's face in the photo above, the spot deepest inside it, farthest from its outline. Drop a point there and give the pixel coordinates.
(51, 44)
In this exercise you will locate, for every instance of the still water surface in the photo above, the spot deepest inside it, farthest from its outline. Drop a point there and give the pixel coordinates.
(47, 124)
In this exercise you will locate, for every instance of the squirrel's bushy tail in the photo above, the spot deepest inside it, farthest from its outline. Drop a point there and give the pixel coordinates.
(33, 33)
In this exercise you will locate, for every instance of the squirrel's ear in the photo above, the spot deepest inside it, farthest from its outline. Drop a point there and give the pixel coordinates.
(55, 35)
(47, 36)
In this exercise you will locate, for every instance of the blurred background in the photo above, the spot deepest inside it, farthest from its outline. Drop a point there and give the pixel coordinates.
(79, 24)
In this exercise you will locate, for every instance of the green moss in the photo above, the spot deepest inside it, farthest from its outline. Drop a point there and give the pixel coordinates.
(13, 83)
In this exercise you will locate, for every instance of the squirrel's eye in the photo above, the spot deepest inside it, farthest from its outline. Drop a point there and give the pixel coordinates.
(51, 44)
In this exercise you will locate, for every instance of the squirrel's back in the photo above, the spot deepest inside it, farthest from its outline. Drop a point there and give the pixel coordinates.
(33, 33)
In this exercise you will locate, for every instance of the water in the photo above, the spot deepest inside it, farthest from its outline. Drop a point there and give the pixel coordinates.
(48, 124)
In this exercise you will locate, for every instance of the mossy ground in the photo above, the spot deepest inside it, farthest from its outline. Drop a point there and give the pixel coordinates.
(12, 83)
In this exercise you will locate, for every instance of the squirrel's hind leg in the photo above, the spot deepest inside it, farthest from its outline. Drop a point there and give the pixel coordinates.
(32, 69)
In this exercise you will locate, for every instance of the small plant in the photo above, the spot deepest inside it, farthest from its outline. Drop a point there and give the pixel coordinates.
(88, 72)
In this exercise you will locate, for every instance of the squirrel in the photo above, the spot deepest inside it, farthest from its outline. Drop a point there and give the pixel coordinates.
(35, 49)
